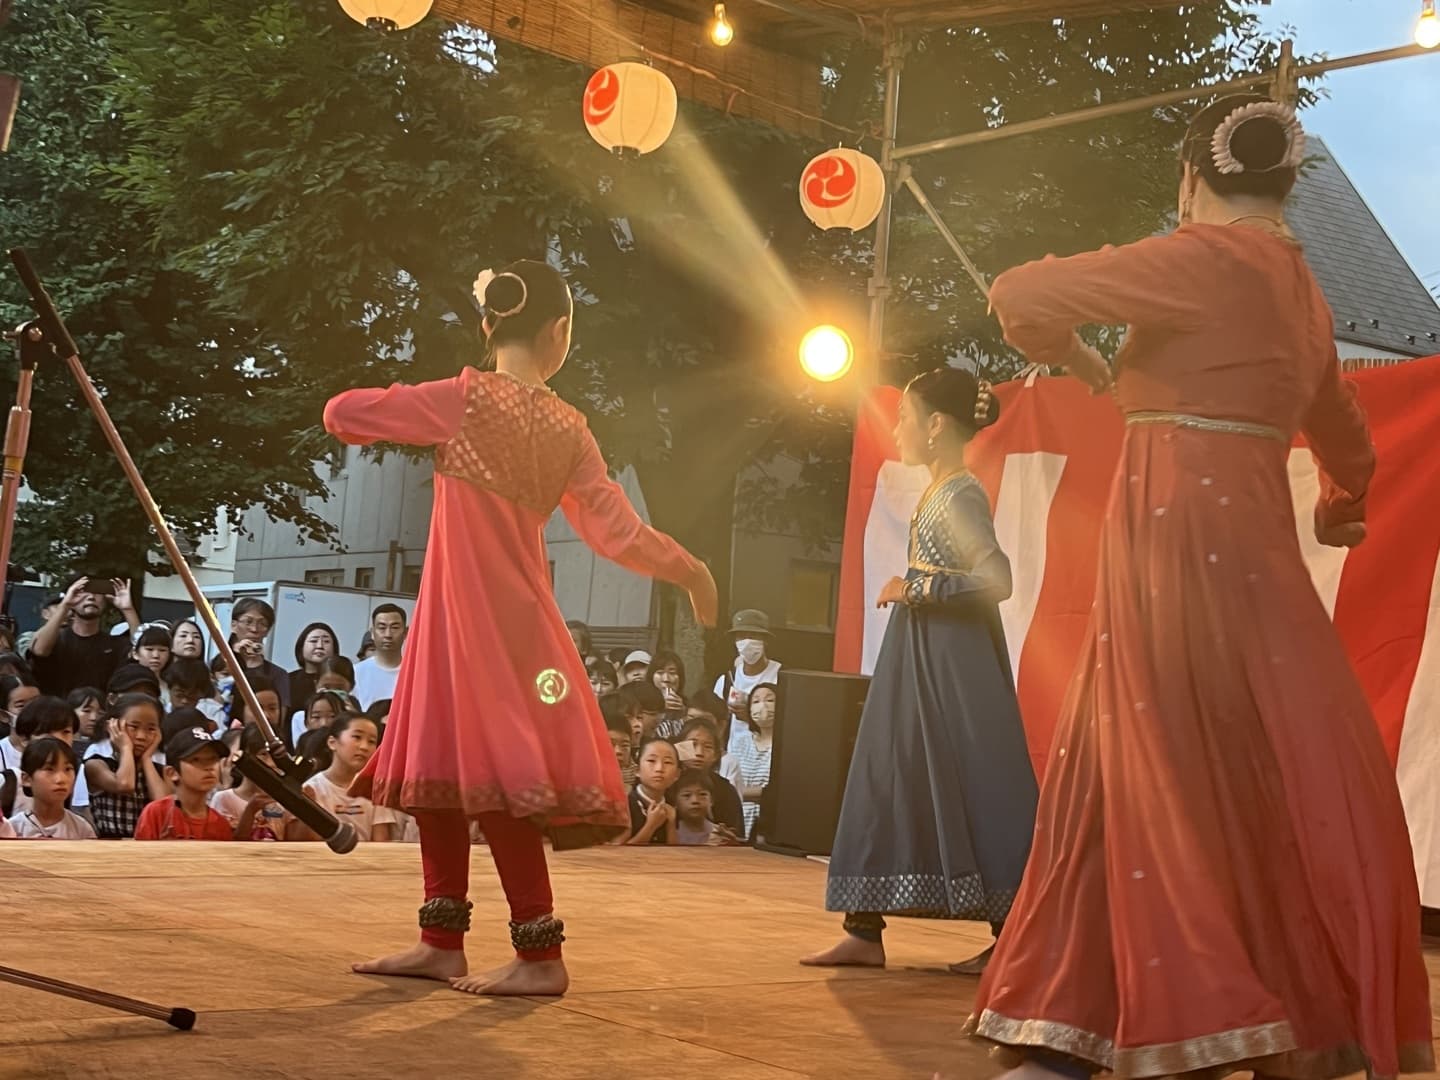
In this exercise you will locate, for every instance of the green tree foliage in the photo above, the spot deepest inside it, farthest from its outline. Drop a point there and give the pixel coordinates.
(208, 427)
(334, 193)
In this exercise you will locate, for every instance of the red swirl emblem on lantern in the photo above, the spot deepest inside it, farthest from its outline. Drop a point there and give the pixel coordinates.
(602, 94)
(630, 107)
(842, 189)
(830, 181)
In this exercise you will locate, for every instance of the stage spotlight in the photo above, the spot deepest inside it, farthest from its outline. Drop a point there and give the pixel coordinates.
(826, 353)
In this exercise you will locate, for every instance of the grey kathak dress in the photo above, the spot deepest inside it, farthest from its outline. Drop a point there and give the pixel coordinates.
(940, 802)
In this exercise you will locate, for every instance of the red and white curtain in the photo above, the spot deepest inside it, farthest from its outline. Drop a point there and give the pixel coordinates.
(1047, 467)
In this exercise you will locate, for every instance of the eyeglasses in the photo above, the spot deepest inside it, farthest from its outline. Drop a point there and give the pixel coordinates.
(252, 622)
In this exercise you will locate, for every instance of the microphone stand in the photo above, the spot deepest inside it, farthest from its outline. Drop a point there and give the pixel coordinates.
(283, 781)
(30, 345)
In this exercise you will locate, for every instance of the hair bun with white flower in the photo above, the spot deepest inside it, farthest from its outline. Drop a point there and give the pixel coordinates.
(511, 286)
(1230, 159)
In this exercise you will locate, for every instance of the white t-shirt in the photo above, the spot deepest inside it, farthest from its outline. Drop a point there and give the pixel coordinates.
(360, 813)
(70, 827)
(740, 687)
(10, 757)
(373, 682)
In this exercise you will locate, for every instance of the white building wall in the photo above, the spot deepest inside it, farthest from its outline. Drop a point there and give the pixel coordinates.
(374, 503)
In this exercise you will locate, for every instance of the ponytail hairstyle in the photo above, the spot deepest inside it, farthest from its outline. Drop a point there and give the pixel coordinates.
(1246, 144)
(519, 301)
(956, 393)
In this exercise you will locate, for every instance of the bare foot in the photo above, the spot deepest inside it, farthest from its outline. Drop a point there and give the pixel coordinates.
(420, 962)
(851, 952)
(519, 978)
(975, 965)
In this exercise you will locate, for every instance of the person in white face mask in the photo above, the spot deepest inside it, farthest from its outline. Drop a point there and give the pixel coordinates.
(750, 631)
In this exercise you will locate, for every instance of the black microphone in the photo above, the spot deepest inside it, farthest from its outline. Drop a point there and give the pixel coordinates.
(285, 788)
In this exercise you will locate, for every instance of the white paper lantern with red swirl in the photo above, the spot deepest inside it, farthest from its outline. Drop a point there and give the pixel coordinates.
(842, 189)
(630, 107)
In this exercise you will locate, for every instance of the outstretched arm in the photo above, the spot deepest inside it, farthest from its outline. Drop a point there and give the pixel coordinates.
(1339, 438)
(424, 415)
(1040, 304)
(598, 509)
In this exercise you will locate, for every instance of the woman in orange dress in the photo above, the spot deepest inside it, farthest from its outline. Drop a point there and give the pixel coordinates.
(493, 718)
(1221, 876)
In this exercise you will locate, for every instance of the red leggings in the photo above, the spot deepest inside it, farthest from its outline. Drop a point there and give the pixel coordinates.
(517, 847)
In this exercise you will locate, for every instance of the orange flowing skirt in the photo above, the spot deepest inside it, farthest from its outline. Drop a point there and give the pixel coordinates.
(1221, 874)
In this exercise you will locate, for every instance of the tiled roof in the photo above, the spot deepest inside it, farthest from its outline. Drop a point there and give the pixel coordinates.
(1365, 278)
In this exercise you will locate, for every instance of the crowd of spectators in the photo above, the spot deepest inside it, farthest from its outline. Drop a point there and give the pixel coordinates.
(132, 733)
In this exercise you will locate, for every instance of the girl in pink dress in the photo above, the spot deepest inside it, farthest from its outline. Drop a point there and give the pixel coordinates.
(536, 758)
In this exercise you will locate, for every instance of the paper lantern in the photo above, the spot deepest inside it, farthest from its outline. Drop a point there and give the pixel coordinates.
(387, 14)
(842, 189)
(630, 107)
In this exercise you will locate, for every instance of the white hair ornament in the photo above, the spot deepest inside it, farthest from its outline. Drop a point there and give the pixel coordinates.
(482, 283)
(1224, 155)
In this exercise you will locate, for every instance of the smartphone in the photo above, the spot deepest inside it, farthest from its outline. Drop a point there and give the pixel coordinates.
(98, 586)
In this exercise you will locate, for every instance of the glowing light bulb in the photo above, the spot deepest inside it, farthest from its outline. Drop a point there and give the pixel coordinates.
(826, 353)
(721, 32)
(1427, 30)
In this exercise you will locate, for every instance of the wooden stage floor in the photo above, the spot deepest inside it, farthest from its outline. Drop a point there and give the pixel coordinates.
(682, 964)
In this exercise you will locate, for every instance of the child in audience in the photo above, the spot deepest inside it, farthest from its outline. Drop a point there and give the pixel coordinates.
(699, 748)
(193, 771)
(622, 740)
(251, 813)
(602, 676)
(266, 695)
(645, 706)
(193, 687)
(126, 777)
(132, 679)
(231, 741)
(693, 798)
(321, 710)
(705, 702)
(315, 746)
(89, 706)
(152, 650)
(336, 673)
(48, 771)
(16, 691)
(351, 741)
(49, 717)
(652, 818)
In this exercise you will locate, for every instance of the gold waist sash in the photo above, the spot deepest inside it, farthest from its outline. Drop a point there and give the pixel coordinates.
(1207, 423)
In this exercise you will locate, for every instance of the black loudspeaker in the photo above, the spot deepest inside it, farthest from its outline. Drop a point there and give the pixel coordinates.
(817, 717)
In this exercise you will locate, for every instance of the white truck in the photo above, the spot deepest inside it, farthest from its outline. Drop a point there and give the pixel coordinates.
(297, 604)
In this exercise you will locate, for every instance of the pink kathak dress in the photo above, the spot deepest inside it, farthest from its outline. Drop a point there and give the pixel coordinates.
(493, 710)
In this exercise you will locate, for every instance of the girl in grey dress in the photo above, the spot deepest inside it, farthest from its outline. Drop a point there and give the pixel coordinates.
(940, 803)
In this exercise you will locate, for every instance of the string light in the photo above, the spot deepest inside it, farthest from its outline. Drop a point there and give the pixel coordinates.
(721, 32)
(1427, 30)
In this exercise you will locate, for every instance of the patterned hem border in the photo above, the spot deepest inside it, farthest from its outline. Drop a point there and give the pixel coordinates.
(921, 896)
(573, 818)
(1268, 1048)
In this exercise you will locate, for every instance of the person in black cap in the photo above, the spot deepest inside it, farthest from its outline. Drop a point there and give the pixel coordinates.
(193, 767)
(750, 631)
